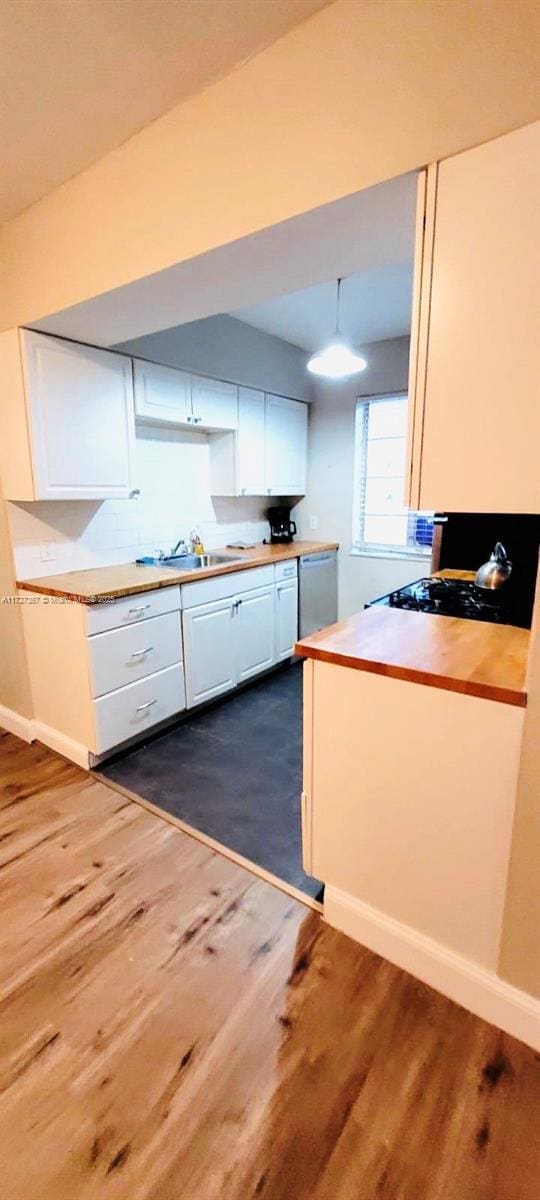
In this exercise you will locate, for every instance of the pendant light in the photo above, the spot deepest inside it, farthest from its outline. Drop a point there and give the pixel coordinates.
(337, 360)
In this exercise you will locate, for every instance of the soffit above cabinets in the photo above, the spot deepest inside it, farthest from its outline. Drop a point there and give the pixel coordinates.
(371, 230)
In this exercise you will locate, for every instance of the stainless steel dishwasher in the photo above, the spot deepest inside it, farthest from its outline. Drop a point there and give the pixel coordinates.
(317, 588)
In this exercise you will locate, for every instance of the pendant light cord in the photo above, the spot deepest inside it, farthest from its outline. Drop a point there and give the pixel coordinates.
(338, 296)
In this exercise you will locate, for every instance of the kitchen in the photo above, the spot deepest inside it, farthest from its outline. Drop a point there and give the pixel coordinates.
(212, 448)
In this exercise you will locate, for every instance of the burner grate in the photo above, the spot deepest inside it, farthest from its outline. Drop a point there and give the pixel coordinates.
(450, 597)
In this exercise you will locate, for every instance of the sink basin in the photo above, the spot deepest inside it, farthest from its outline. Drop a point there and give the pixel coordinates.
(193, 562)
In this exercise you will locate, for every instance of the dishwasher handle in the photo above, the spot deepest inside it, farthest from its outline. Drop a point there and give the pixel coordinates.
(312, 560)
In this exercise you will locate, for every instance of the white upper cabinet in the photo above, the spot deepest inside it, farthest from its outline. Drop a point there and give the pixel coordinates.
(268, 454)
(475, 352)
(214, 403)
(285, 446)
(69, 421)
(175, 397)
(250, 442)
(162, 393)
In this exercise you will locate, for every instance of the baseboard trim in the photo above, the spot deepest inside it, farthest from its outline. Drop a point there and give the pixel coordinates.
(475, 988)
(22, 727)
(63, 745)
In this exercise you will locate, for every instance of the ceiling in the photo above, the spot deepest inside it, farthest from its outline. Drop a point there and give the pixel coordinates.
(369, 233)
(79, 77)
(375, 304)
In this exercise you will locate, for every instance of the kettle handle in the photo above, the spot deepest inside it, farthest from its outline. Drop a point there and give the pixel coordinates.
(499, 553)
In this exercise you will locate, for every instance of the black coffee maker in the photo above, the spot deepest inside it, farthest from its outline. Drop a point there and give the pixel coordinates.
(282, 529)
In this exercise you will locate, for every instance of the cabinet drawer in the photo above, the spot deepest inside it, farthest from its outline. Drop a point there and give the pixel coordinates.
(121, 656)
(287, 569)
(130, 710)
(221, 586)
(128, 609)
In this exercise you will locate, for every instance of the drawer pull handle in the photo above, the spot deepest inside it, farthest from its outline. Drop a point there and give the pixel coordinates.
(141, 608)
(139, 653)
(141, 707)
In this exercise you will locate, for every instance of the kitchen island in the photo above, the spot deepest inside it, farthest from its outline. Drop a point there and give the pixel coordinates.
(412, 737)
(473, 657)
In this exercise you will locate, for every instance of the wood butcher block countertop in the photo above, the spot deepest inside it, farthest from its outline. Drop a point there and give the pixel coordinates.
(127, 579)
(473, 657)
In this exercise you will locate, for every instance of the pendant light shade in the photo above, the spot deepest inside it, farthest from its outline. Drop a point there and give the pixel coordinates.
(337, 360)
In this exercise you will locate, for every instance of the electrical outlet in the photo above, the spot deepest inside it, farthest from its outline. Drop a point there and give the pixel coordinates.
(46, 552)
(313, 522)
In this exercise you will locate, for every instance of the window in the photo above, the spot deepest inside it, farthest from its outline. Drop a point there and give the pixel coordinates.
(381, 523)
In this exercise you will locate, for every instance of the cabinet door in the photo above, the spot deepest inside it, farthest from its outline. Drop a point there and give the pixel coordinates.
(250, 444)
(480, 432)
(286, 446)
(209, 650)
(254, 637)
(214, 403)
(80, 416)
(286, 618)
(162, 393)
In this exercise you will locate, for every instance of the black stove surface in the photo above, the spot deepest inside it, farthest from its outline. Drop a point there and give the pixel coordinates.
(449, 598)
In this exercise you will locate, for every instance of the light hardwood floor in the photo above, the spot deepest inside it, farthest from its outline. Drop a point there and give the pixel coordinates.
(174, 1028)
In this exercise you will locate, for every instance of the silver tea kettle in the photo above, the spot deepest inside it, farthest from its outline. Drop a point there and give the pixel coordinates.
(494, 574)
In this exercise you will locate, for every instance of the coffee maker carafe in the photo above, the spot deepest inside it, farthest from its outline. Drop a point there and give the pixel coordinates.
(282, 529)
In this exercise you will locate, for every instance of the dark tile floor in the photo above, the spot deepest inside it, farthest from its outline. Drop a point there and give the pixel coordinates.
(233, 771)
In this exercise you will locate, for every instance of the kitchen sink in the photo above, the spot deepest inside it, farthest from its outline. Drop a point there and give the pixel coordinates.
(191, 562)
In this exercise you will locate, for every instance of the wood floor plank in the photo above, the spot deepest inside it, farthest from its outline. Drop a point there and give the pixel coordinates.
(173, 1028)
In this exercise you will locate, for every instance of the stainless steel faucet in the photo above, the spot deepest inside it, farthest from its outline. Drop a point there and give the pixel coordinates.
(180, 546)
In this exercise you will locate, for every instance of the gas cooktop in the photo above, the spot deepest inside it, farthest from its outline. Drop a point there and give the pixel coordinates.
(449, 598)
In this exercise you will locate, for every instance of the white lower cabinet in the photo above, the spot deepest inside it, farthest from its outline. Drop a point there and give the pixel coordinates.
(125, 668)
(121, 656)
(136, 671)
(103, 673)
(130, 710)
(231, 637)
(254, 632)
(286, 618)
(210, 650)
(226, 642)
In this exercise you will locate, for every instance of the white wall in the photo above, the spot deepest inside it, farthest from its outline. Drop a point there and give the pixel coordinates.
(330, 476)
(357, 94)
(173, 466)
(227, 348)
(15, 691)
(49, 537)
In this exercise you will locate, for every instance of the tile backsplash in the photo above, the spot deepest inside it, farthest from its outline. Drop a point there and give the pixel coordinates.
(173, 474)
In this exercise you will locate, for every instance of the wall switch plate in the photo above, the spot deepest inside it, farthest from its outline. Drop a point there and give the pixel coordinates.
(313, 522)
